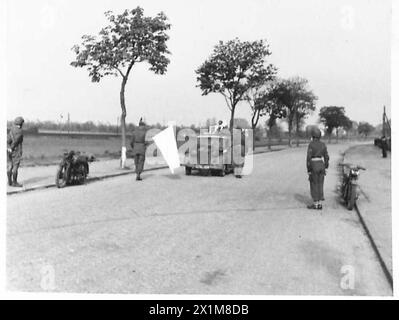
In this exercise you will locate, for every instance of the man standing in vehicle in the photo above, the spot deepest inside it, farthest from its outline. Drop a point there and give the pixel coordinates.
(317, 162)
(139, 147)
(14, 151)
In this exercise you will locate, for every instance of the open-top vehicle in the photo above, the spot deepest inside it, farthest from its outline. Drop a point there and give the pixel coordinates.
(210, 155)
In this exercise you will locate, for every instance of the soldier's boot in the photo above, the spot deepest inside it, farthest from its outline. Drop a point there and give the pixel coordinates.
(138, 177)
(313, 206)
(14, 182)
(9, 177)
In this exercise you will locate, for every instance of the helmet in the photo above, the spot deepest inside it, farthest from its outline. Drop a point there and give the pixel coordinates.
(19, 121)
(316, 133)
(141, 122)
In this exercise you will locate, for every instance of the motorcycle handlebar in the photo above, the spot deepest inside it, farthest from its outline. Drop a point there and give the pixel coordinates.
(351, 166)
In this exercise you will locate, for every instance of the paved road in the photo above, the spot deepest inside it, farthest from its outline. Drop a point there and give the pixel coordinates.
(192, 234)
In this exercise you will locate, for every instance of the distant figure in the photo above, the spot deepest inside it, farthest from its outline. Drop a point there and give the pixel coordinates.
(14, 151)
(138, 145)
(384, 146)
(238, 167)
(219, 126)
(316, 163)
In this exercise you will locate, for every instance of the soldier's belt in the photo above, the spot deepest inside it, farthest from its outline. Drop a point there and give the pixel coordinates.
(317, 159)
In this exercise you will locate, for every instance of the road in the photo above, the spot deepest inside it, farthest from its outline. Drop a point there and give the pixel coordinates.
(177, 234)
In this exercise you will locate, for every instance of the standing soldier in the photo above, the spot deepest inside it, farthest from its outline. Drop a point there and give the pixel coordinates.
(14, 151)
(316, 163)
(239, 158)
(138, 145)
(384, 146)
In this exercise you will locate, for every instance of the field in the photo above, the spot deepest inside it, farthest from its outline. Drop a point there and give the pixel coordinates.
(42, 149)
(48, 149)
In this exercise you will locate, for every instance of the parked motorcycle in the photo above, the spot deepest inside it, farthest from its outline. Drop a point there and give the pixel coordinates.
(349, 187)
(73, 169)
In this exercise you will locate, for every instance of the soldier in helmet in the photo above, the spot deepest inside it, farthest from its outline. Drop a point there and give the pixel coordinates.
(138, 145)
(384, 146)
(316, 162)
(14, 151)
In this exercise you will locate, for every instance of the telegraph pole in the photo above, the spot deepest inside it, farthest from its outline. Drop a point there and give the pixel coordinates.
(383, 123)
(69, 123)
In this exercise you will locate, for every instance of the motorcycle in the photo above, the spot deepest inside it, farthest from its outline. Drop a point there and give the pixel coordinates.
(73, 169)
(349, 187)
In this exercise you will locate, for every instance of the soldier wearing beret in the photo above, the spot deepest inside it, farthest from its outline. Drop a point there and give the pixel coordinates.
(138, 145)
(14, 151)
(316, 162)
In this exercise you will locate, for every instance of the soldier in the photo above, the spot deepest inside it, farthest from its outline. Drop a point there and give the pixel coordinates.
(384, 146)
(316, 163)
(239, 165)
(14, 151)
(138, 145)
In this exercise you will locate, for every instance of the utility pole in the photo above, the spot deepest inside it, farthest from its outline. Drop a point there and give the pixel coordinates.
(383, 123)
(69, 123)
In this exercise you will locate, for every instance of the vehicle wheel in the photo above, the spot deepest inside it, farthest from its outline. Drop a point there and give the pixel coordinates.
(61, 177)
(345, 193)
(82, 179)
(351, 198)
(222, 172)
(188, 171)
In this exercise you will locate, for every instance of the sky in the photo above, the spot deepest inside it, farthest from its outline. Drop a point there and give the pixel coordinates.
(342, 47)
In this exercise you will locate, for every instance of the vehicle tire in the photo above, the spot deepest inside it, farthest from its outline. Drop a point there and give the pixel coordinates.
(344, 192)
(351, 198)
(82, 168)
(61, 178)
(188, 171)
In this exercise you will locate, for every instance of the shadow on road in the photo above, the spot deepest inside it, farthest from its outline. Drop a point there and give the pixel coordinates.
(306, 200)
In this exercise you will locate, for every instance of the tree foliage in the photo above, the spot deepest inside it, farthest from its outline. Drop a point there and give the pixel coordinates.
(365, 128)
(333, 117)
(129, 38)
(233, 69)
(294, 96)
(267, 104)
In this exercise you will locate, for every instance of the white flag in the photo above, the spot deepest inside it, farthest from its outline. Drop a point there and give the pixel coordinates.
(166, 143)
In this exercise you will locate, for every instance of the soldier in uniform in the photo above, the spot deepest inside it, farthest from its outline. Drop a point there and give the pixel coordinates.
(138, 145)
(316, 163)
(14, 151)
(384, 146)
(239, 165)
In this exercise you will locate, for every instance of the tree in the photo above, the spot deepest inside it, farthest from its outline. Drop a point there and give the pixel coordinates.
(266, 104)
(128, 39)
(334, 117)
(365, 128)
(298, 100)
(233, 69)
(305, 106)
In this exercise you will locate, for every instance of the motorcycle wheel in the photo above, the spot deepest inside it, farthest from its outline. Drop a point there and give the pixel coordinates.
(351, 198)
(82, 178)
(61, 177)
